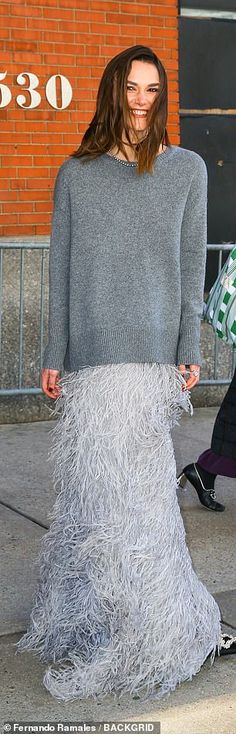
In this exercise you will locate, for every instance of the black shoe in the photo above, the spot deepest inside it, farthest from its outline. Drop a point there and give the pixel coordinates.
(206, 496)
(227, 645)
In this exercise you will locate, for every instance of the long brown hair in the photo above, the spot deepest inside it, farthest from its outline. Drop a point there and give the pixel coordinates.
(110, 119)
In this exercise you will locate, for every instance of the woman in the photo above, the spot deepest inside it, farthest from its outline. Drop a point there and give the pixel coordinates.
(220, 458)
(119, 607)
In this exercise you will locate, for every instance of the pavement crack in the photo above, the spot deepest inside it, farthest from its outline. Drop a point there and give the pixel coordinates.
(24, 514)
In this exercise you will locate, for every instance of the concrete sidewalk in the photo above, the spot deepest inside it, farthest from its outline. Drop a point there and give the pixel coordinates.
(205, 705)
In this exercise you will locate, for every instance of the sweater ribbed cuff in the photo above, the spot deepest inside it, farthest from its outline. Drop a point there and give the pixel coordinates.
(53, 357)
(189, 351)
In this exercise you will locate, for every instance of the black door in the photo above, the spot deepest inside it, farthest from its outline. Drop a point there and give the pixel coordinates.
(207, 63)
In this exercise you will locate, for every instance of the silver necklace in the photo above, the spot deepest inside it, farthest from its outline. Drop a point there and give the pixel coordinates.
(125, 163)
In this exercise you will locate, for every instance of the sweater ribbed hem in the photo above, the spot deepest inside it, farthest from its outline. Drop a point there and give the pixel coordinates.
(120, 344)
(123, 344)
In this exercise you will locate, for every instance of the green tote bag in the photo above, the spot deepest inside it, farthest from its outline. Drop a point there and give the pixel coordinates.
(220, 307)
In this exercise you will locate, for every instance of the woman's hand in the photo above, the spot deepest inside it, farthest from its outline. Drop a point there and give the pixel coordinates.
(50, 385)
(193, 370)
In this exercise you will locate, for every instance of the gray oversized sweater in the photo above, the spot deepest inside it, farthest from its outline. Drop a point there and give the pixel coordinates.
(127, 262)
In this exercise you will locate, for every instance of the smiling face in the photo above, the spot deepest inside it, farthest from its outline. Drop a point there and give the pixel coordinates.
(143, 85)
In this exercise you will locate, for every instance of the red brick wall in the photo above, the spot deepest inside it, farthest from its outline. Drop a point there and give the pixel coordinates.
(75, 39)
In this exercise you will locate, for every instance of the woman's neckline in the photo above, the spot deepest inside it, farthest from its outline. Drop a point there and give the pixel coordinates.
(135, 163)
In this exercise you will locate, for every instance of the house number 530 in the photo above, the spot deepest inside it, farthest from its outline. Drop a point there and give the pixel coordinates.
(31, 81)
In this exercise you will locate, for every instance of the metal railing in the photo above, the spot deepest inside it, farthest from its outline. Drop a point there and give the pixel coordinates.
(42, 244)
(39, 244)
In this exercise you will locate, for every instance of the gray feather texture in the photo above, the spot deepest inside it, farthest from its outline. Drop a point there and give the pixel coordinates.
(118, 606)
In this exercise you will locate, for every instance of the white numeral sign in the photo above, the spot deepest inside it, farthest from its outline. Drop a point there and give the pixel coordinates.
(30, 82)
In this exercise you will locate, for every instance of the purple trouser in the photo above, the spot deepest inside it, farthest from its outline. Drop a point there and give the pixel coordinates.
(216, 464)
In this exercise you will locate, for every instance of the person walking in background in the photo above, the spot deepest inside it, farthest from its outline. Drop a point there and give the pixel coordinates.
(119, 607)
(220, 458)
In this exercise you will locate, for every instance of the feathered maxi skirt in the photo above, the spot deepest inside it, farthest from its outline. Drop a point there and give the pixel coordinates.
(118, 607)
